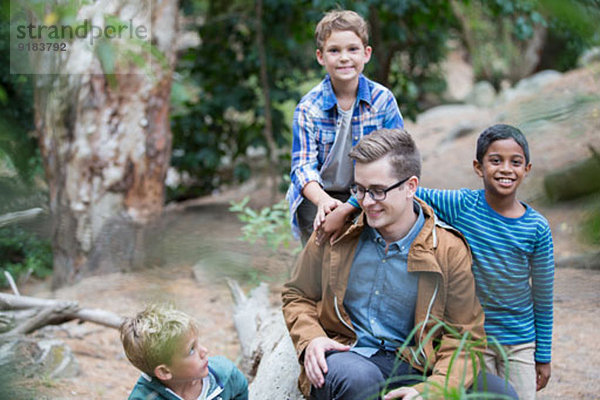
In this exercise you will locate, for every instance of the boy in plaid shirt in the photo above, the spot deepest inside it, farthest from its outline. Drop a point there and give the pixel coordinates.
(332, 118)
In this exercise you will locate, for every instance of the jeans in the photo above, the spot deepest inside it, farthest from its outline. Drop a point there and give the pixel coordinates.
(351, 376)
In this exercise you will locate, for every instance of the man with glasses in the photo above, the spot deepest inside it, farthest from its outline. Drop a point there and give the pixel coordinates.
(384, 285)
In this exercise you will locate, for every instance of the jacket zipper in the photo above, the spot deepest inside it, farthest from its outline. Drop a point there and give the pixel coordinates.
(339, 315)
(429, 307)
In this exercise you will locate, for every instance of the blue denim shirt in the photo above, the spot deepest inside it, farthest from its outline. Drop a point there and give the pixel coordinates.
(381, 295)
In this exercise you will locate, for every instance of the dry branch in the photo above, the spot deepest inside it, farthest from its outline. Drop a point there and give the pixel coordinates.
(23, 314)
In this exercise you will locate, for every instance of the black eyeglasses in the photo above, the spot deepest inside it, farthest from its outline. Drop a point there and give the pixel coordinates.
(376, 194)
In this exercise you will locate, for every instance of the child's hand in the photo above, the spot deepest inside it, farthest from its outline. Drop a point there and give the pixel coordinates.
(333, 225)
(324, 207)
(542, 374)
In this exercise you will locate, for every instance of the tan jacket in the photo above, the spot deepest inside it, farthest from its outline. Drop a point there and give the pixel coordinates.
(313, 300)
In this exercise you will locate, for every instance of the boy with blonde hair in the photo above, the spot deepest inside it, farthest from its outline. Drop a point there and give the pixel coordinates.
(163, 343)
(332, 118)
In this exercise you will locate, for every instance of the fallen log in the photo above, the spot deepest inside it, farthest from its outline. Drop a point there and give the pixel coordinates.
(268, 355)
(22, 314)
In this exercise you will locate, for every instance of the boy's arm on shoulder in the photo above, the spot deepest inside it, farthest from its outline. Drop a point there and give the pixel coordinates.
(445, 203)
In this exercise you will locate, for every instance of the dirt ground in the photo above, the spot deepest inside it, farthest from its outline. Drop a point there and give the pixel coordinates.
(205, 231)
(106, 373)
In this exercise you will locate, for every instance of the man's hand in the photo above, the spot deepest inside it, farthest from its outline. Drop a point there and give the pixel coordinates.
(324, 207)
(542, 374)
(314, 358)
(333, 225)
(405, 393)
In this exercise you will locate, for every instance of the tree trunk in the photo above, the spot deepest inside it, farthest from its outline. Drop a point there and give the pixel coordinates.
(105, 140)
(266, 92)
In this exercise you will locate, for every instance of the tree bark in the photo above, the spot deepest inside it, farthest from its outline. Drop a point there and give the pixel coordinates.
(105, 142)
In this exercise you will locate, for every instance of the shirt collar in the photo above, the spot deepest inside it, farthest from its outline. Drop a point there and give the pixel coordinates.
(407, 240)
(330, 101)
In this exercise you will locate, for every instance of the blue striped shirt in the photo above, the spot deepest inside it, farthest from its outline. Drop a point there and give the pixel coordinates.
(513, 265)
(315, 126)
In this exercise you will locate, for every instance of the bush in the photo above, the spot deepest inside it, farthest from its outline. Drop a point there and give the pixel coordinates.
(23, 253)
(271, 224)
(591, 227)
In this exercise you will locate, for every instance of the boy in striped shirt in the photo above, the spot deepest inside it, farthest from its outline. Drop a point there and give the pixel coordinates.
(513, 257)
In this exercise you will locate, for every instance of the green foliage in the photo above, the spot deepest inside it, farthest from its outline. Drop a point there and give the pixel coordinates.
(467, 346)
(18, 148)
(497, 32)
(572, 28)
(272, 224)
(214, 130)
(591, 225)
(22, 252)
(227, 116)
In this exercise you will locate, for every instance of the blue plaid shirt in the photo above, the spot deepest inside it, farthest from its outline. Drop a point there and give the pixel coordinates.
(314, 130)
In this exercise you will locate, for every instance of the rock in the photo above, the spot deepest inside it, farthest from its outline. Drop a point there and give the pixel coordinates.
(482, 95)
(56, 359)
(589, 57)
(463, 128)
(575, 180)
(459, 75)
(529, 86)
(580, 261)
(441, 113)
(50, 358)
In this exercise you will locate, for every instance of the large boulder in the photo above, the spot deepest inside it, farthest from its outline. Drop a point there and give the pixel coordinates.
(482, 95)
(529, 86)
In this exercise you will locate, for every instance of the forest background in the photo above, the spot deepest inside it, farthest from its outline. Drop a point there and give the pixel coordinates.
(96, 144)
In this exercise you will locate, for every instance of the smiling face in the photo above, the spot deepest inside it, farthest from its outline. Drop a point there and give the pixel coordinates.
(503, 168)
(344, 57)
(394, 216)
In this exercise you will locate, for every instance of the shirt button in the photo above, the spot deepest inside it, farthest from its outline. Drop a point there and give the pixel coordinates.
(355, 137)
(383, 260)
(402, 248)
(377, 292)
(373, 321)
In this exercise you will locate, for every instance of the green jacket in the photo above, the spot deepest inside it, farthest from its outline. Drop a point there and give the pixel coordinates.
(226, 383)
(313, 300)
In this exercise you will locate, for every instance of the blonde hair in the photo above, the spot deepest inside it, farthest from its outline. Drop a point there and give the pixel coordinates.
(341, 20)
(152, 336)
(395, 143)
